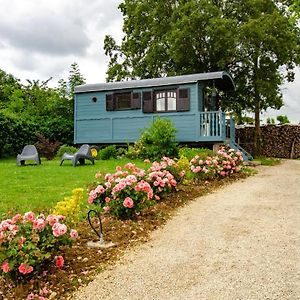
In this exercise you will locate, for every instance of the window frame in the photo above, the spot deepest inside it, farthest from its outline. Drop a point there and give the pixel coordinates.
(116, 102)
(112, 103)
(166, 99)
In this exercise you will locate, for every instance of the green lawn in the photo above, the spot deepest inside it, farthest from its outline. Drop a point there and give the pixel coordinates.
(37, 188)
(267, 161)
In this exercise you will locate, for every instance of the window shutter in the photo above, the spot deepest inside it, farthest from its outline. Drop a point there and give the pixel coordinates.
(148, 106)
(135, 100)
(183, 100)
(109, 102)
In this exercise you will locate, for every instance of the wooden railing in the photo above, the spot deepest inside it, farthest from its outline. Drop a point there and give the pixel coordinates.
(230, 129)
(215, 127)
(212, 125)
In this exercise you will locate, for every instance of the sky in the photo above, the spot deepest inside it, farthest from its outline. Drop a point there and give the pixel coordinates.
(40, 39)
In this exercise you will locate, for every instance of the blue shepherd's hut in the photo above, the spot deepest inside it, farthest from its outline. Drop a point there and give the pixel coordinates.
(115, 112)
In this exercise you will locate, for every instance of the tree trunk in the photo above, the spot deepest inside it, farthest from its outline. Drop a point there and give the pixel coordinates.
(257, 135)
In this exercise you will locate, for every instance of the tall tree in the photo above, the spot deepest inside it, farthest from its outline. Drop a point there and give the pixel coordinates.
(8, 86)
(66, 88)
(257, 40)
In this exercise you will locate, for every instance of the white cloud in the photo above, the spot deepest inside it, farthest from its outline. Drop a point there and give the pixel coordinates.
(291, 99)
(41, 39)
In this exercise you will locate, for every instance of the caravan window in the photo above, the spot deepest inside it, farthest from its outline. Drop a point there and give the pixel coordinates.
(123, 101)
(165, 100)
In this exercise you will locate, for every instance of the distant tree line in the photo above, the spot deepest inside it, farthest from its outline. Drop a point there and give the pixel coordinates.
(32, 109)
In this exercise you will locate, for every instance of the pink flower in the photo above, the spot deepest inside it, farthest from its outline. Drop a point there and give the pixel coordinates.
(25, 269)
(129, 166)
(39, 224)
(118, 168)
(162, 183)
(173, 182)
(16, 218)
(92, 196)
(150, 194)
(197, 169)
(106, 209)
(29, 216)
(128, 202)
(73, 234)
(59, 261)
(22, 241)
(52, 219)
(59, 229)
(30, 296)
(97, 175)
(99, 190)
(205, 170)
(44, 291)
(90, 200)
(157, 198)
(5, 267)
(107, 199)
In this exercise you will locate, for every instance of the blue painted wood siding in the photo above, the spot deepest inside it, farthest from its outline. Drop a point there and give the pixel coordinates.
(93, 124)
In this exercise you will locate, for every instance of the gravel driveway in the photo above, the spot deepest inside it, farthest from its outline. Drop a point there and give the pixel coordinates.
(241, 242)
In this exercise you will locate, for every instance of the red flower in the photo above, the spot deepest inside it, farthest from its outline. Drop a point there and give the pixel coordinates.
(5, 267)
(59, 261)
(25, 269)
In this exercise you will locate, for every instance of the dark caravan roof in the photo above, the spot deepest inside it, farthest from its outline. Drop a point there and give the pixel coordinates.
(222, 79)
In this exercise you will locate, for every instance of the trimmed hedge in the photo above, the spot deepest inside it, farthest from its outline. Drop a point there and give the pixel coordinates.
(17, 132)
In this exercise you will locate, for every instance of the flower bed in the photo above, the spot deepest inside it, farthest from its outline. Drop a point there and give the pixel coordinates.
(29, 243)
(227, 162)
(130, 189)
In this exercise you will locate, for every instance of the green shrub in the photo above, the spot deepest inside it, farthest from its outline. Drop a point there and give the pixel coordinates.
(18, 131)
(108, 152)
(15, 133)
(121, 152)
(158, 140)
(134, 151)
(189, 153)
(57, 128)
(66, 149)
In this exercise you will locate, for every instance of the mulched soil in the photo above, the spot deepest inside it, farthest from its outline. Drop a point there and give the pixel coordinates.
(83, 263)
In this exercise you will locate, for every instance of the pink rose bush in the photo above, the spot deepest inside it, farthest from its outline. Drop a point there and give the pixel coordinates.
(130, 189)
(226, 162)
(28, 242)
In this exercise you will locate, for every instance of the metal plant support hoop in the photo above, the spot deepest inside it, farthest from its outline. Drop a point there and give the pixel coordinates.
(101, 243)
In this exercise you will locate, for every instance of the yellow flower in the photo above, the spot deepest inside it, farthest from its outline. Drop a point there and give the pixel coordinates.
(94, 152)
